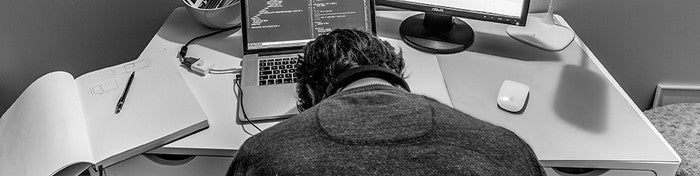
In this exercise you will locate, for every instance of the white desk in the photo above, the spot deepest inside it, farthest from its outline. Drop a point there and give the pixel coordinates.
(577, 116)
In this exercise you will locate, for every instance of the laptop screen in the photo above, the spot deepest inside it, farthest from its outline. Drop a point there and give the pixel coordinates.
(275, 24)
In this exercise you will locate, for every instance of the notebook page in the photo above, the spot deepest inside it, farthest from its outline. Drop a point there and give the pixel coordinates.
(159, 104)
(44, 130)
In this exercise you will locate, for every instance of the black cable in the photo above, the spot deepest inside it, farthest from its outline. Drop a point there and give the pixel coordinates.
(238, 98)
(246, 131)
(237, 83)
(183, 50)
(188, 61)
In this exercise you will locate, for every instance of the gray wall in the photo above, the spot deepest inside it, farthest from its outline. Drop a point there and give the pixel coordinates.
(77, 36)
(641, 42)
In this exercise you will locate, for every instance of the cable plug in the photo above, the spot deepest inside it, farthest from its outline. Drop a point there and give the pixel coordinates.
(196, 65)
(201, 67)
(188, 61)
(183, 51)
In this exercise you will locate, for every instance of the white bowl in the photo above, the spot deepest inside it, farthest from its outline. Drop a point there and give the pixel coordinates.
(217, 18)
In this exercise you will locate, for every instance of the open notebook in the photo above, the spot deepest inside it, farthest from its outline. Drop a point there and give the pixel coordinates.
(60, 122)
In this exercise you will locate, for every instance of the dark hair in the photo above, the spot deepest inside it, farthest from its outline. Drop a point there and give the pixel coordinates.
(332, 54)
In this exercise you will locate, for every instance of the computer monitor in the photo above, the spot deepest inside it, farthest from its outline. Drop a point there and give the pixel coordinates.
(437, 31)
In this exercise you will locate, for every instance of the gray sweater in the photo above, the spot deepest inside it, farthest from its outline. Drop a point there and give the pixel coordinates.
(383, 130)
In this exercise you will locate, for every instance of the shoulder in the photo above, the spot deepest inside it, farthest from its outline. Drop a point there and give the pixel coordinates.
(298, 126)
(453, 121)
(495, 141)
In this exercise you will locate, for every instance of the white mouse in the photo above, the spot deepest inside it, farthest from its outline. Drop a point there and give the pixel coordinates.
(513, 96)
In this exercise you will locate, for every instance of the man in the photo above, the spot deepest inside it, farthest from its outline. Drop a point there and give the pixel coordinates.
(373, 125)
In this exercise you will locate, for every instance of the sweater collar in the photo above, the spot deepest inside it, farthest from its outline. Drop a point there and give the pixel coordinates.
(371, 87)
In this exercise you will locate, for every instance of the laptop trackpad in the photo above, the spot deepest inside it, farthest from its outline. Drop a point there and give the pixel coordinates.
(269, 102)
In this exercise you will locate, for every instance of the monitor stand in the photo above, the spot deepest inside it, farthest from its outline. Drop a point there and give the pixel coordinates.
(436, 33)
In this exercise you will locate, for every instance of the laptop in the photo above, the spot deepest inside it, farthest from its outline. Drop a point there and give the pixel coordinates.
(274, 33)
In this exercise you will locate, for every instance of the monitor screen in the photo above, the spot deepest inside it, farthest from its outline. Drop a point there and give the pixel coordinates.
(502, 11)
(276, 24)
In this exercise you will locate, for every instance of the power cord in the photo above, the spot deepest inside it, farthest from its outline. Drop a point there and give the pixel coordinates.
(199, 66)
(225, 71)
(183, 50)
(237, 85)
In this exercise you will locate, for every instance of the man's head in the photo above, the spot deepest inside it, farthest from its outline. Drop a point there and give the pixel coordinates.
(330, 55)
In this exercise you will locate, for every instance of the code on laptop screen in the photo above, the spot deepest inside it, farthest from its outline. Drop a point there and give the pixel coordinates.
(290, 23)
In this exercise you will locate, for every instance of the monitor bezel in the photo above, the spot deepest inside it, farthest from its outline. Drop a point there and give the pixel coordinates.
(477, 15)
(244, 28)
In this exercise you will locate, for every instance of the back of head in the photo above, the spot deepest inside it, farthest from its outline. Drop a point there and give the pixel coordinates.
(330, 55)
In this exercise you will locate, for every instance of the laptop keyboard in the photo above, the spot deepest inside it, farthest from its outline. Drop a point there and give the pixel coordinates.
(274, 71)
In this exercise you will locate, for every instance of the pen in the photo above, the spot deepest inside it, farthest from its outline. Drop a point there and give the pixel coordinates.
(120, 103)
